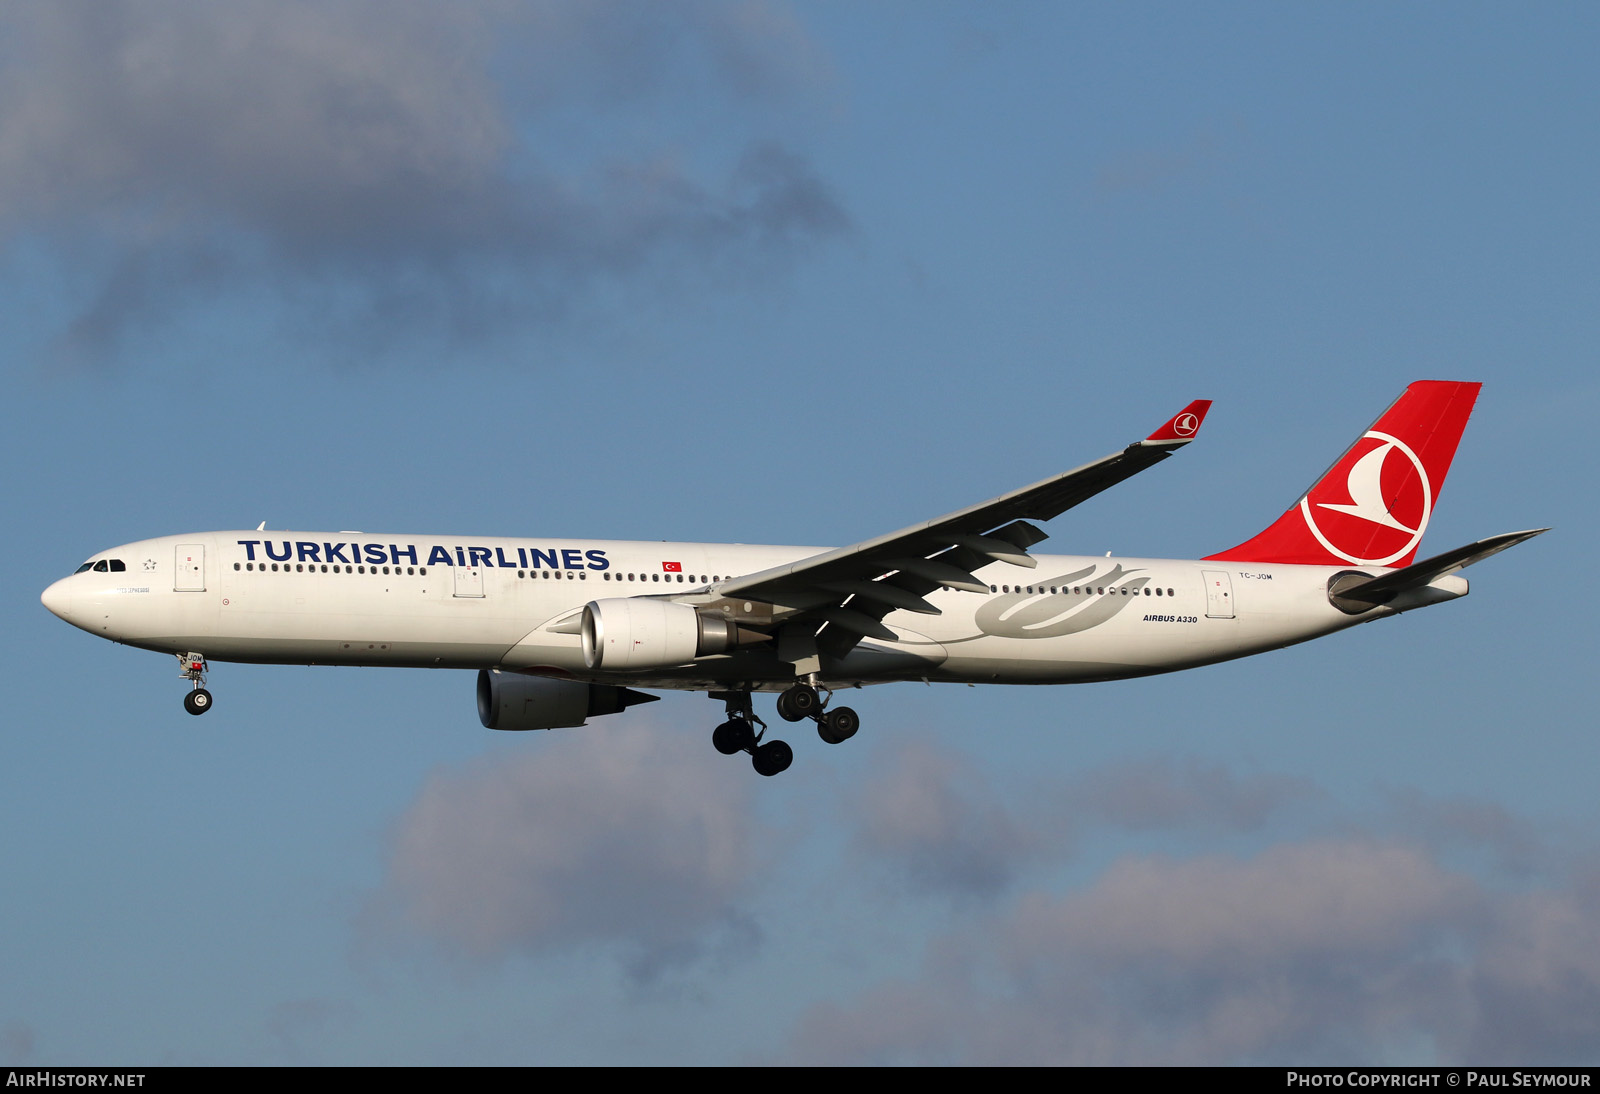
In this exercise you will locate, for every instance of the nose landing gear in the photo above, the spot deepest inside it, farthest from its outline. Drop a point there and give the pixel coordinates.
(192, 667)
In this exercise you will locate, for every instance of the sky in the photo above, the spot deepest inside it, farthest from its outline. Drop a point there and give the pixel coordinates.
(798, 273)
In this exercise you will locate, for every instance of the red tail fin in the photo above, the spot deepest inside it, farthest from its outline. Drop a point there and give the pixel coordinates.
(1372, 506)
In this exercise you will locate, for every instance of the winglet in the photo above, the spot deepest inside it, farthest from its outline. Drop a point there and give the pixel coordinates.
(1182, 426)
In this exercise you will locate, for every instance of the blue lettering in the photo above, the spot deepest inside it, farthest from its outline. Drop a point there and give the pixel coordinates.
(375, 552)
(536, 556)
(274, 556)
(439, 557)
(598, 560)
(461, 559)
(479, 556)
(522, 557)
(307, 552)
(572, 558)
(249, 546)
(335, 552)
(395, 553)
(500, 553)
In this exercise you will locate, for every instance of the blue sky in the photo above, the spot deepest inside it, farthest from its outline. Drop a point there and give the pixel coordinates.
(798, 274)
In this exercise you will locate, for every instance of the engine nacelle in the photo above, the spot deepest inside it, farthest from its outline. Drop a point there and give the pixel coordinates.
(512, 701)
(625, 635)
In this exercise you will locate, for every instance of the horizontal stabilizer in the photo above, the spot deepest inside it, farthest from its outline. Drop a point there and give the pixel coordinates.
(1381, 590)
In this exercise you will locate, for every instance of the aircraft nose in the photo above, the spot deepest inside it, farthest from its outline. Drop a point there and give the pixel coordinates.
(58, 599)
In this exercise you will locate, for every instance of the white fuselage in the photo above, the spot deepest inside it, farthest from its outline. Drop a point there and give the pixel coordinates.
(351, 598)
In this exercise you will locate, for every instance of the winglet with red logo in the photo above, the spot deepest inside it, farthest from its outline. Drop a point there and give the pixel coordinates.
(1182, 426)
(1372, 506)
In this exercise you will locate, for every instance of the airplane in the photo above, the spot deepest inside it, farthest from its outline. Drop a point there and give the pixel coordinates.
(563, 630)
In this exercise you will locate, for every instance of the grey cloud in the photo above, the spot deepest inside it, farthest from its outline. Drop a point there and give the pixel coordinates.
(1535, 995)
(602, 836)
(16, 1043)
(1158, 168)
(300, 1027)
(1469, 824)
(938, 824)
(1338, 897)
(1164, 794)
(932, 817)
(469, 155)
(1320, 951)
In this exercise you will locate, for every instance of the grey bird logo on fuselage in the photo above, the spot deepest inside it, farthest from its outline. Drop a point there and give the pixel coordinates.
(1043, 614)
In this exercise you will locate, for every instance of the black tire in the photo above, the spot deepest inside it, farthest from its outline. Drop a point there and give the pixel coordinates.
(838, 725)
(772, 758)
(197, 701)
(800, 701)
(734, 735)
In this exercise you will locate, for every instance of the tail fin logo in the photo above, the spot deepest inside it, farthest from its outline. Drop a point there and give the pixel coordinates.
(1185, 424)
(1385, 507)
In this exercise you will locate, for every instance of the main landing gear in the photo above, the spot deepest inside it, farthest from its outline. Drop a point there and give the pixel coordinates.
(802, 701)
(192, 667)
(738, 734)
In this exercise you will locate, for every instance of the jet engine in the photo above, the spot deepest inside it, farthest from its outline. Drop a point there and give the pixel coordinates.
(623, 635)
(511, 701)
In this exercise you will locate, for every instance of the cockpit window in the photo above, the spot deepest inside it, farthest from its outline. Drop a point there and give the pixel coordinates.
(101, 566)
(117, 567)
(82, 568)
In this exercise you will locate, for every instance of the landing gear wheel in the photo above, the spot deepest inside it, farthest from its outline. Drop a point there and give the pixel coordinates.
(800, 701)
(838, 725)
(734, 735)
(197, 701)
(772, 758)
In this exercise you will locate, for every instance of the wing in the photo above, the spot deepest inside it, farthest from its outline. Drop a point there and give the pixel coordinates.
(831, 601)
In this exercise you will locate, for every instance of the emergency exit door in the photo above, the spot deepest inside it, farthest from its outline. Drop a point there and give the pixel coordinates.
(189, 570)
(1219, 594)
